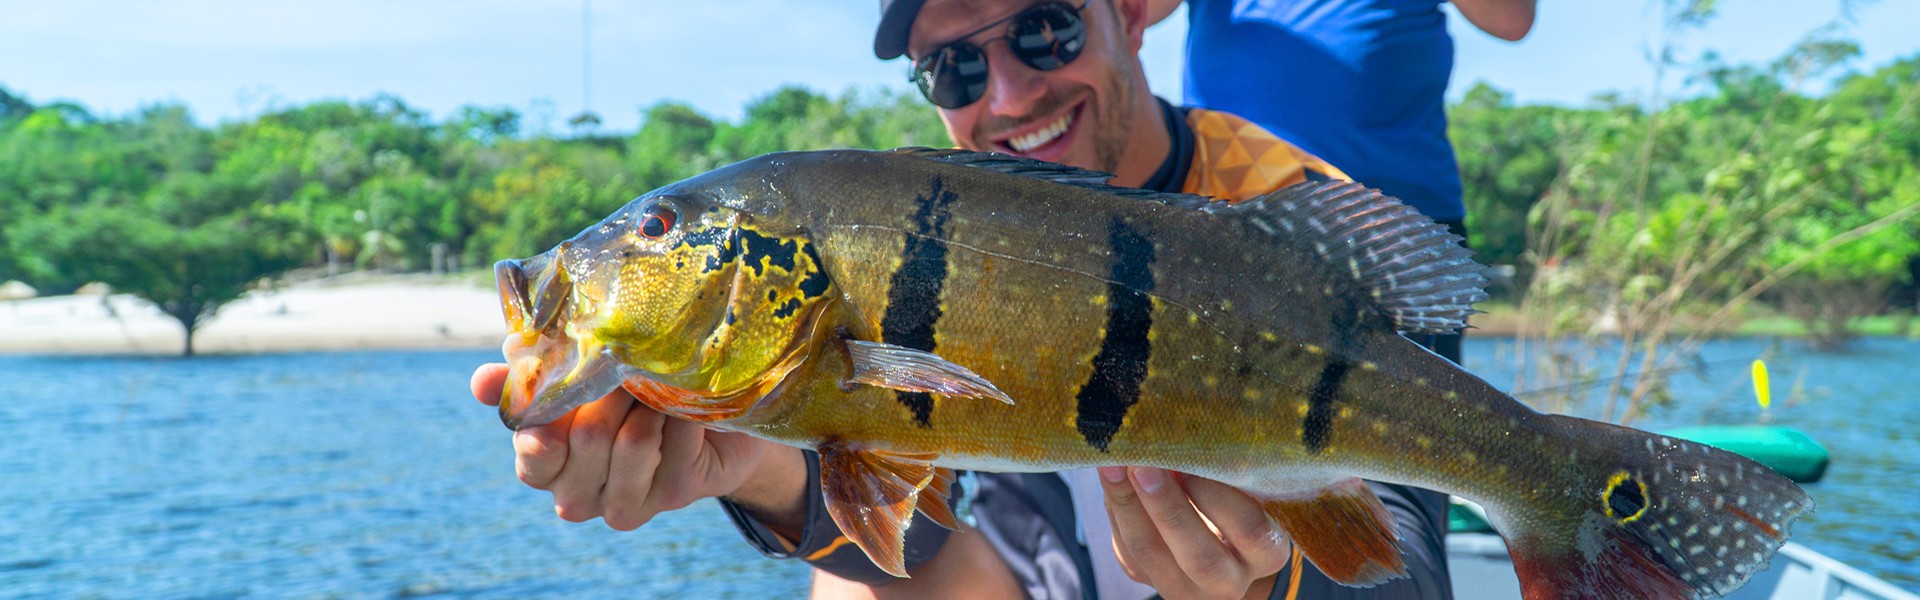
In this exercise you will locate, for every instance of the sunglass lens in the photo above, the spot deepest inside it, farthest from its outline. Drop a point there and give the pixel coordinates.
(1048, 36)
(953, 77)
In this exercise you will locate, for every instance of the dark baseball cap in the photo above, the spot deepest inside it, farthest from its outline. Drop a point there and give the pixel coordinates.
(896, 22)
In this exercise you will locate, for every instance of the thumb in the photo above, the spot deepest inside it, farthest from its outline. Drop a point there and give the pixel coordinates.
(487, 383)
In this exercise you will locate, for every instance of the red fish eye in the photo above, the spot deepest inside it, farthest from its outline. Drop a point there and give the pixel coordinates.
(656, 221)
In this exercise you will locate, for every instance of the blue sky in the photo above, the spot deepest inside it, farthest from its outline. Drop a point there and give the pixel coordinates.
(229, 59)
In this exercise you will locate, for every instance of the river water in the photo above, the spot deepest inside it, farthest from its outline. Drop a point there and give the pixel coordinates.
(374, 474)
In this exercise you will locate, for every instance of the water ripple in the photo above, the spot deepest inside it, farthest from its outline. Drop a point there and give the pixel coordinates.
(373, 474)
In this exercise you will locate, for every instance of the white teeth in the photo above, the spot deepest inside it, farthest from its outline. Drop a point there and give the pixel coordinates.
(1037, 138)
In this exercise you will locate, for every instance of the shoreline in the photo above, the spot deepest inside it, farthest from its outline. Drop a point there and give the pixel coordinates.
(351, 313)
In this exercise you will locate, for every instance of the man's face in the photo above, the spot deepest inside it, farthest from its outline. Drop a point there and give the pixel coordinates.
(1077, 114)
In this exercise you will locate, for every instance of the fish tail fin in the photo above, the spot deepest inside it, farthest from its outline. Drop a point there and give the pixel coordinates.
(1649, 516)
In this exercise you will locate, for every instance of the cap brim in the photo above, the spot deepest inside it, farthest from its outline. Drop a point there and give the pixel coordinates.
(896, 24)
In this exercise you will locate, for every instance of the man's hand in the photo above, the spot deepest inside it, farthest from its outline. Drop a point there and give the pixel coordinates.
(620, 460)
(1190, 537)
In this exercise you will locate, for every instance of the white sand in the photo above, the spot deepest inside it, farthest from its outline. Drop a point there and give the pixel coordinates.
(362, 313)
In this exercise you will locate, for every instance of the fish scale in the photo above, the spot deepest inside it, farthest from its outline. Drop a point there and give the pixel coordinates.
(911, 311)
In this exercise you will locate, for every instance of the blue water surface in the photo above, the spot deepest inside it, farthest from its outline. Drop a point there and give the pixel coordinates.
(375, 474)
(302, 475)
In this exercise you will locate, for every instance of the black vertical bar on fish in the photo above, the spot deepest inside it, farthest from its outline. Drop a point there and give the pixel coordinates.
(1317, 430)
(1121, 365)
(913, 293)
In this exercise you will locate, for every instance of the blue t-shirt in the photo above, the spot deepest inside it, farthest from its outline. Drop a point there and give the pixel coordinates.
(1359, 83)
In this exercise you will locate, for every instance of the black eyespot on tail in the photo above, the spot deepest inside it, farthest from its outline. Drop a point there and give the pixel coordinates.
(1626, 497)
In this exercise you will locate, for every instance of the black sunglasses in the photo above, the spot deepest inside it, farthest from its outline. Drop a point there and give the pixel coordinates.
(1044, 36)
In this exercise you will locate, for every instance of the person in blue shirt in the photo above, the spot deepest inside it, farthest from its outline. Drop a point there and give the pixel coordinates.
(1359, 83)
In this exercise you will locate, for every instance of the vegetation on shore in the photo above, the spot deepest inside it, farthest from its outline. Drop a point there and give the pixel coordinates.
(1617, 218)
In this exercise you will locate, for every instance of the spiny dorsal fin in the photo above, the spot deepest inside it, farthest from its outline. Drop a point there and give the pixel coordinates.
(1416, 271)
(1054, 172)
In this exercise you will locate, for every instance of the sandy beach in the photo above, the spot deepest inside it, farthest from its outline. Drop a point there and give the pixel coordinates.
(344, 313)
(352, 312)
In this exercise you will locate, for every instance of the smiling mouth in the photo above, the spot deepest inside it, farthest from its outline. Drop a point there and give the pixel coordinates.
(1028, 142)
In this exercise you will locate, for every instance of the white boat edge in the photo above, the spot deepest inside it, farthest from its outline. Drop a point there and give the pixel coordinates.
(1481, 569)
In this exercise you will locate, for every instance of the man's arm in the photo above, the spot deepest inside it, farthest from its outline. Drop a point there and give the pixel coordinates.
(967, 567)
(1158, 10)
(1509, 20)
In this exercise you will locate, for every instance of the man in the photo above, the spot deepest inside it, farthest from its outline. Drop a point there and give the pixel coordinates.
(1051, 80)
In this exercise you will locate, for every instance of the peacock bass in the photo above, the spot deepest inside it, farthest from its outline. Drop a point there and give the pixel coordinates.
(913, 311)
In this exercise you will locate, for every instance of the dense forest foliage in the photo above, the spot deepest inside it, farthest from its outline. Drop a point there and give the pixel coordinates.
(1607, 202)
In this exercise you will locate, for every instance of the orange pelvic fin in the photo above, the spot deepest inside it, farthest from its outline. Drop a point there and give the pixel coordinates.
(910, 370)
(871, 495)
(1345, 530)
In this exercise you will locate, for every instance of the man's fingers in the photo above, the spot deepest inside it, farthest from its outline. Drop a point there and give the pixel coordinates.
(487, 383)
(682, 475)
(1242, 523)
(577, 490)
(1136, 540)
(540, 452)
(1126, 562)
(636, 456)
(1201, 555)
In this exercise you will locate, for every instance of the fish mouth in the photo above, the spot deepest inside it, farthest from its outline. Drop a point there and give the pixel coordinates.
(551, 369)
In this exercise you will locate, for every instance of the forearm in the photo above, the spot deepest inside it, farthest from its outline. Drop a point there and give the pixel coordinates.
(1509, 20)
(966, 567)
(776, 495)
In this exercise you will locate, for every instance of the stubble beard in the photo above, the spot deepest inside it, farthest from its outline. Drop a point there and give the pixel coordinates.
(1110, 139)
(1112, 112)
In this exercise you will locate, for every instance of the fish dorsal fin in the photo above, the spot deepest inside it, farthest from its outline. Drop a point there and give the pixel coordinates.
(1416, 272)
(1054, 172)
(872, 495)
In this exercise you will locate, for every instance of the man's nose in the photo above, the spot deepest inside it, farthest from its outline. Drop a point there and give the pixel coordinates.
(1012, 86)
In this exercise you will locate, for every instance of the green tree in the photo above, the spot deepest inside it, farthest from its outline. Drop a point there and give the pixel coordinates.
(178, 248)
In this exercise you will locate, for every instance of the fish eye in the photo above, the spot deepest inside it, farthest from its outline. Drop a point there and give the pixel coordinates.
(656, 220)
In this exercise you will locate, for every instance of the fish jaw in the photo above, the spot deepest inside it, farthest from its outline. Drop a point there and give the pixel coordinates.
(548, 376)
(551, 367)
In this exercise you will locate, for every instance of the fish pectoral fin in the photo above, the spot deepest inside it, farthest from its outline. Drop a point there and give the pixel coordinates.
(910, 370)
(872, 494)
(1345, 530)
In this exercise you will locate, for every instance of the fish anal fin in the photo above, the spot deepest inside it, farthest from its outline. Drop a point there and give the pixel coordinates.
(1663, 518)
(934, 500)
(871, 495)
(909, 370)
(1345, 530)
(1623, 569)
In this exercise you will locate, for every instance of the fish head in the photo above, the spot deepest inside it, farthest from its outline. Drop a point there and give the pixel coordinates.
(684, 292)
